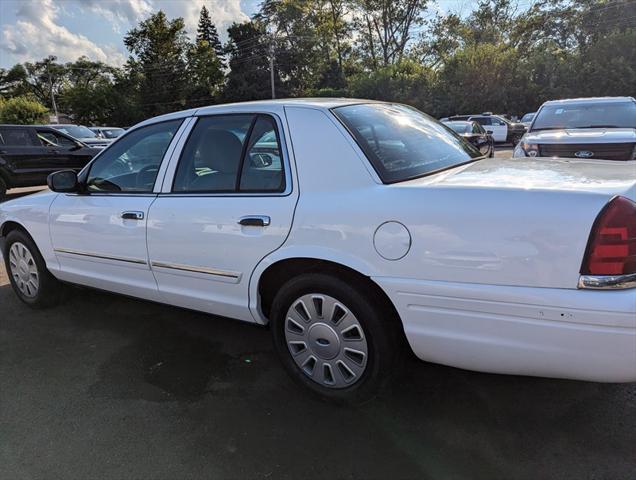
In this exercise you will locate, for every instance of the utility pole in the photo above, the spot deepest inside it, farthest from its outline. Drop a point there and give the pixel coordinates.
(50, 59)
(271, 66)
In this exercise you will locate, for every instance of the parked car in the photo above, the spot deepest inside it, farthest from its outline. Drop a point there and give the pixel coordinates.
(527, 119)
(28, 154)
(107, 132)
(83, 134)
(475, 134)
(502, 130)
(380, 229)
(584, 128)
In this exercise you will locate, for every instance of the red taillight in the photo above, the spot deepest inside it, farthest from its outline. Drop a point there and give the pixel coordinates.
(611, 249)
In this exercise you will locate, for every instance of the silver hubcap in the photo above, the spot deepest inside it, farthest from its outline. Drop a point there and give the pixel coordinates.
(24, 270)
(326, 340)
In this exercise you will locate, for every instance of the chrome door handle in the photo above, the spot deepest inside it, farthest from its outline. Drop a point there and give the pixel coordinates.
(255, 221)
(132, 215)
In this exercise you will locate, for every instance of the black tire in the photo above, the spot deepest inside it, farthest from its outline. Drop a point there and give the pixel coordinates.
(381, 333)
(3, 188)
(49, 290)
(514, 140)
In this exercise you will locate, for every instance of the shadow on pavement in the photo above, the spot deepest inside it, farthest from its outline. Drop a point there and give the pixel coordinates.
(109, 387)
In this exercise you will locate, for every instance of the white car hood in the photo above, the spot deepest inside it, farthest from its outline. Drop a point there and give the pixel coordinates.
(582, 135)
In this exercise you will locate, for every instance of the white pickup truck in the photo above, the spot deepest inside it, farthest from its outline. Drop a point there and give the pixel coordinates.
(603, 128)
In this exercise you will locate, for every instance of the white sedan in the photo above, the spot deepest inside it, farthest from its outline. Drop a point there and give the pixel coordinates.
(353, 229)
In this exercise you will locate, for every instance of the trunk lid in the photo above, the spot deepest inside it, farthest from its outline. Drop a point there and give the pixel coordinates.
(518, 222)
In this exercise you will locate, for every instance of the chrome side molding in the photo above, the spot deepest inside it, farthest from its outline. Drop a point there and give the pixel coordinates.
(607, 282)
(188, 268)
(79, 253)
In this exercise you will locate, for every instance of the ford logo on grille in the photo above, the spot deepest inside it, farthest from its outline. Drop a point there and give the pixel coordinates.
(584, 154)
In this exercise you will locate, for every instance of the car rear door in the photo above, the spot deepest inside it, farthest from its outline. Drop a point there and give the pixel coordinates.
(227, 201)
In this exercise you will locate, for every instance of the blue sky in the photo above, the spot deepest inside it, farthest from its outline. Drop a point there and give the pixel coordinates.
(33, 29)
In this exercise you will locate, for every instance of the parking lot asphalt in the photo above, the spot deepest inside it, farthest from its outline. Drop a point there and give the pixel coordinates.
(106, 387)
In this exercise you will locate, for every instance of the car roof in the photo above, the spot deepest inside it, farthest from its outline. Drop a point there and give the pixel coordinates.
(458, 121)
(323, 103)
(590, 100)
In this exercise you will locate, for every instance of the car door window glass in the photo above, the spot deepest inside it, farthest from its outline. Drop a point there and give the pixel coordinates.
(16, 137)
(131, 164)
(211, 158)
(50, 138)
(477, 128)
(483, 120)
(263, 165)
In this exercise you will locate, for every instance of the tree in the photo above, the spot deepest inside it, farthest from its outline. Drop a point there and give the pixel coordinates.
(158, 48)
(386, 28)
(249, 77)
(206, 31)
(22, 111)
(88, 92)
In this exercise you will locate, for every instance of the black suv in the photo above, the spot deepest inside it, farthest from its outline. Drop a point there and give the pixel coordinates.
(29, 153)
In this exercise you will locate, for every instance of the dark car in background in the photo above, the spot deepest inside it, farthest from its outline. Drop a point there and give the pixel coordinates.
(475, 134)
(83, 134)
(110, 133)
(28, 154)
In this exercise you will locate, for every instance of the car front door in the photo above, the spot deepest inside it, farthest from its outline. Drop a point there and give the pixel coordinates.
(99, 234)
(227, 201)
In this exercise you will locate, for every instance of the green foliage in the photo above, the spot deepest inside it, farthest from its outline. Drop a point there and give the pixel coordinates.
(22, 111)
(249, 76)
(206, 31)
(159, 47)
(504, 56)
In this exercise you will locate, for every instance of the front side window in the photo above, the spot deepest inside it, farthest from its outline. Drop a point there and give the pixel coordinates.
(586, 115)
(131, 164)
(229, 154)
(54, 139)
(402, 143)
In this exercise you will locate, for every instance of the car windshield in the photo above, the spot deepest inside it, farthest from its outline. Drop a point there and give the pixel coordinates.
(77, 131)
(459, 127)
(528, 117)
(403, 143)
(112, 132)
(586, 115)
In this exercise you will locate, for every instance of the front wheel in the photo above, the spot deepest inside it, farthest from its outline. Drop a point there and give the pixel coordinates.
(334, 338)
(30, 279)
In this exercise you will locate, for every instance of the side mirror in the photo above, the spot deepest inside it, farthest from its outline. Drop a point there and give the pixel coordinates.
(63, 181)
(489, 132)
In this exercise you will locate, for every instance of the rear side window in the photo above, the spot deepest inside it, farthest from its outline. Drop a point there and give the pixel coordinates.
(402, 143)
(16, 137)
(231, 153)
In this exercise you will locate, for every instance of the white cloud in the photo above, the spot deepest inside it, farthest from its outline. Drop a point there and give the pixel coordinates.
(222, 12)
(119, 12)
(37, 34)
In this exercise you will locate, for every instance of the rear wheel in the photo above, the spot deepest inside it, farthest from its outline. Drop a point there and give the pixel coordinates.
(333, 338)
(31, 281)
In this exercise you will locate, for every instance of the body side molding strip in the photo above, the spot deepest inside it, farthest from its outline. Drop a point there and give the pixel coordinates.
(99, 255)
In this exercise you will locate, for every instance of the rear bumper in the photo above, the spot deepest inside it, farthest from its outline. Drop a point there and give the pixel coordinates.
(560, 333)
